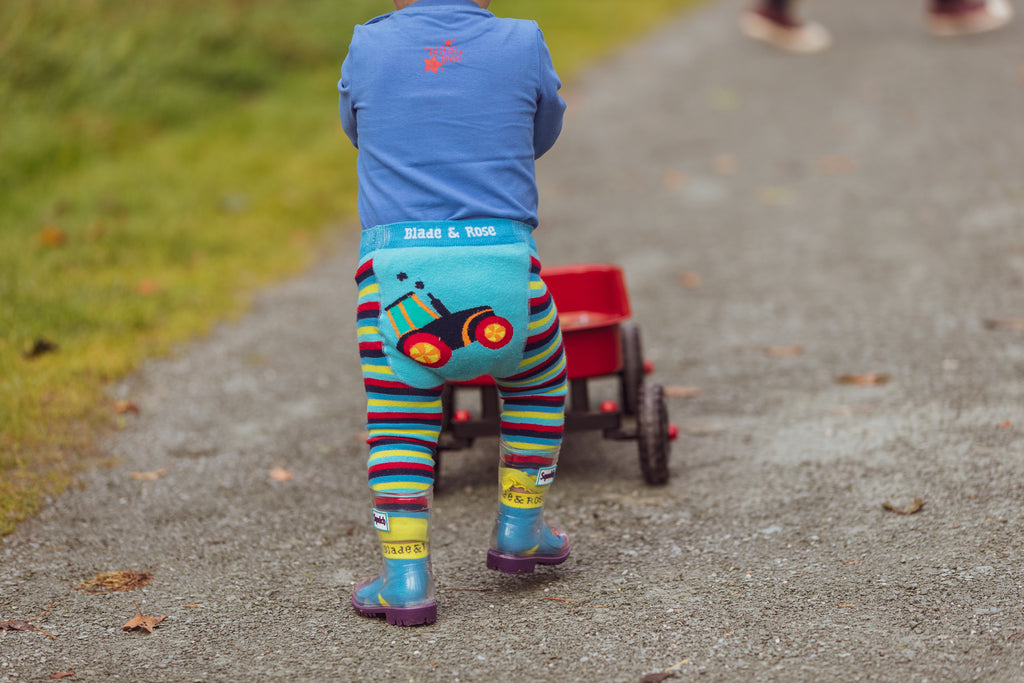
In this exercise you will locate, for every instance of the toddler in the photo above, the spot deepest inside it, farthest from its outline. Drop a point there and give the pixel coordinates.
(449, 106)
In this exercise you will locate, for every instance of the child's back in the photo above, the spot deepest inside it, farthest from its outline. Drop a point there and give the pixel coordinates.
(449, 106)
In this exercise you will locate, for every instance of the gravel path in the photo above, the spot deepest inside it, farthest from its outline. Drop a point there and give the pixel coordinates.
(783, 221)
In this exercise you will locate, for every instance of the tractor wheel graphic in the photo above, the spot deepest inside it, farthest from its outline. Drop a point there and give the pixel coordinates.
(493, 332)
(426, 349)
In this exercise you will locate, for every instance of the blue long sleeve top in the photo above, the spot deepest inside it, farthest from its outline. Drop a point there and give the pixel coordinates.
(449, 107)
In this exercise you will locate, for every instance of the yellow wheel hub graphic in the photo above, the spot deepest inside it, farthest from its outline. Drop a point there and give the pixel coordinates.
(495, 332)
(425, 353)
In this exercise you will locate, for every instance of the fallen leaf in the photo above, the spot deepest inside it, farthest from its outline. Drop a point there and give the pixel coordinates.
(1013, 324)
(140, 621)
(835, 164)
(679, 391)
(143, 622)
(40, 347)
(724, 164)
(16, 625)
(657, 677)
(62, 674)
(1005, 425)
(23, 625)
(667, 673)
(52, 236)
(869, 379)
(281, 474)
(724, 99)
(909, 510)
(673, 179)
(148, 476)
(122, 407)
(690, 280)
(116, 582)
(776, 196)
(784, 351)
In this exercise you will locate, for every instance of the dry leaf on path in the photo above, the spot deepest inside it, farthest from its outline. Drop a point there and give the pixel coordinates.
(1013, 324)
(122, 407)
(835, 164)
(776, 196)
(673, 179)
(658, 677)
(62, 674)
(724, 164)
(724, 99)
(667, 673)
(26, 625)
(116, 582)
(148, 476)
(679, 391)
(866, 380)
(690, 280)
(281, 474)
(16, 625)
(140, 621)
(1006, 424)
(911, 509)
(784, 351)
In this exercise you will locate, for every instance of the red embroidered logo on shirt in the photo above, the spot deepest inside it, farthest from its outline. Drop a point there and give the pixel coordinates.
(437, 57)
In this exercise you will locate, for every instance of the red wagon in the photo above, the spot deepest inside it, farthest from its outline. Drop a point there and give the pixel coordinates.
(600, 341)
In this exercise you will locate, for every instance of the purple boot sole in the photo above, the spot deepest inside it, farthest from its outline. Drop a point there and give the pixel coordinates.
(513, 564)
(397, 616)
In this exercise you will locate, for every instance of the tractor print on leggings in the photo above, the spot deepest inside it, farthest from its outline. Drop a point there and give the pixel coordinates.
(428, 332)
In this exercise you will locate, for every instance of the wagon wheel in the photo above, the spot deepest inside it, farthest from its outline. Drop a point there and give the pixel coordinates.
(493, 332)
(427, 349)
(632, 374)
(652, 433)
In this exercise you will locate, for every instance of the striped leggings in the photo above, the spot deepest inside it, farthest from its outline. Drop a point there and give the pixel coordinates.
(404, 422)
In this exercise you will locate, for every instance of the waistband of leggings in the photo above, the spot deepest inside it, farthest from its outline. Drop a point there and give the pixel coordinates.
(471, 233)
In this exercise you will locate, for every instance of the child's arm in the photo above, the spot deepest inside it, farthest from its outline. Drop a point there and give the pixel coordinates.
(547, 121)
(346, 107)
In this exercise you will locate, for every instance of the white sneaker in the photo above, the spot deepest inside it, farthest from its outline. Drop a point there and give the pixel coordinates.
(788, 35)
(968, 17)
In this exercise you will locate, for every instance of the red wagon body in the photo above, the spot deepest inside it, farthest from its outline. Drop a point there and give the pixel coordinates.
(600, 341)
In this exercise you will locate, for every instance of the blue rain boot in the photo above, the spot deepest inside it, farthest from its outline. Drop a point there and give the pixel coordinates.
(522, 539)
(403, 593)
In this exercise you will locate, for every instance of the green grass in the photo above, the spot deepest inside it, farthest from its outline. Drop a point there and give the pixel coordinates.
(159, 162)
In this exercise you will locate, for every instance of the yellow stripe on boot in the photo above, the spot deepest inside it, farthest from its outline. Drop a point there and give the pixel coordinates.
(519, 489)
(409, 550)
(406, 538)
